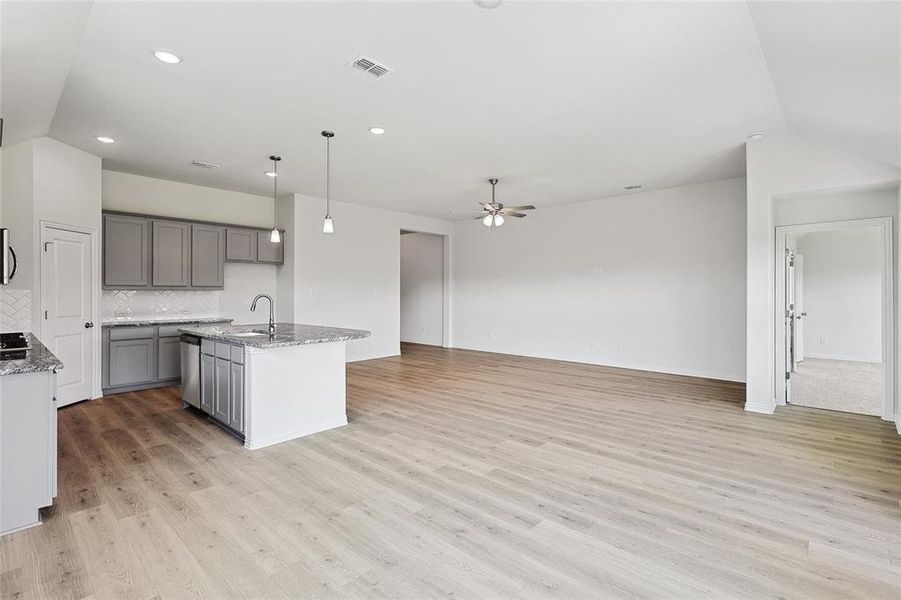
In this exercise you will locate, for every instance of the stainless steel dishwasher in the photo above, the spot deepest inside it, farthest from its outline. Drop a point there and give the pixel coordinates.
(190, 370)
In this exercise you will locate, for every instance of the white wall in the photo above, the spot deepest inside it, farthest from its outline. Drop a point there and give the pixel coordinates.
(422, 288)
(146, 195)
(777, 165)
(352, 277)
(651, 281)
(843, 294)
(134, 193)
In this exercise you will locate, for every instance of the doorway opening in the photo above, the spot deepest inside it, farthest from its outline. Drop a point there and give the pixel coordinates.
(836, 298)
(423, 289)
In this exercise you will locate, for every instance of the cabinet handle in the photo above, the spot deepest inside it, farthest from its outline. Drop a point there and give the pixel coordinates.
(88, 325)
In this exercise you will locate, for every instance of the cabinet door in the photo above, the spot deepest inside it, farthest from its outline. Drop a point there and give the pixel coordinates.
(207, 256)
(236, 382)
(269, 252)
(169, 358)
(221, 408)
(126, 251)
(241, 245)
(130, 362)
(171, 254)
(207, 383)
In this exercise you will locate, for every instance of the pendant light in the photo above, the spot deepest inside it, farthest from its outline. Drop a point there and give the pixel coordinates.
(275, 235)
(327, 225)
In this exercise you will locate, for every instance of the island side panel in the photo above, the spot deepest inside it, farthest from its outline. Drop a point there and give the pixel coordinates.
(293, 391)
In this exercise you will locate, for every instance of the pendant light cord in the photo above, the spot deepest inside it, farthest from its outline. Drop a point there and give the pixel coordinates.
(275, 195)
(328, 176)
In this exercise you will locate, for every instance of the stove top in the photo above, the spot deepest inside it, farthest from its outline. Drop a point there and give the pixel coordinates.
(13, 346)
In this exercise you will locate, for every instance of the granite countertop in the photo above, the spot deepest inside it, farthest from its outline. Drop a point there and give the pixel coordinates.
(286, 334)
(146, 321)
(39, 358)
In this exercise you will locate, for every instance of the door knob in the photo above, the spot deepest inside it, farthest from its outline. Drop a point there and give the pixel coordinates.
(88, 325)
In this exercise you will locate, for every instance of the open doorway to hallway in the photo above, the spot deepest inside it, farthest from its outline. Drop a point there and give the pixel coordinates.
(422, 289)
(837, 286)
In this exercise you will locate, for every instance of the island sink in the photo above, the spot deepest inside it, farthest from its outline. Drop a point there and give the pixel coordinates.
(271, 388)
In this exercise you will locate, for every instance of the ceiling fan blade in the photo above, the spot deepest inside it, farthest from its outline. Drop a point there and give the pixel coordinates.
(515, 214)
(480, 217)
(526, 207)
(466, 212)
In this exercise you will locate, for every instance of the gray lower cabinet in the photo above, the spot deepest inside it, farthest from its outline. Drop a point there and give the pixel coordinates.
(137, 358)
(207, 383)
(236, 396)
(269, 252)
(130, 362)
(241, 245)
(222, 383)
(126, 251)
(171, 255)
(221, 400)
(207, 256)
(169, 358)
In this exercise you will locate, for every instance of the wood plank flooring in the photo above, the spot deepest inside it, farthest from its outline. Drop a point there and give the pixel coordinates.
(473, 475)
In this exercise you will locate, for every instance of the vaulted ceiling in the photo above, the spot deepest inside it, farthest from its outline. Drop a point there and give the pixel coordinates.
(564, 102)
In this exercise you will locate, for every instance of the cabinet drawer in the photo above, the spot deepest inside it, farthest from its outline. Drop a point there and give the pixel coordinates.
(223, 350)
(172, 330)
(130, 333)
(237, 355)
(208, 347)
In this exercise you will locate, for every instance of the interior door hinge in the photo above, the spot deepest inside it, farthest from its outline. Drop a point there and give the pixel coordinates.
(45, 315)
(788, 375)
(47, 246)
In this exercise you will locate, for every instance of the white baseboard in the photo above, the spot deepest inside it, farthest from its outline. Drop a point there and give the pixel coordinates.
(256, 444)
(898, 425)
(764, 409)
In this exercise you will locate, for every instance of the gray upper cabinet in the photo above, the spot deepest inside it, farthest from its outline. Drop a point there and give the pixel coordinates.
(241, 245)
(171, 254)
(269, 252)
(126, 251)
(207, 256)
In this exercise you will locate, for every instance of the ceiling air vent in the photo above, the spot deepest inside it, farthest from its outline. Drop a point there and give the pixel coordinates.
(370, 66)
(204, 165)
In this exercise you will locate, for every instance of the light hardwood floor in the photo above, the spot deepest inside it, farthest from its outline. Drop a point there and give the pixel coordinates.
(474, 475)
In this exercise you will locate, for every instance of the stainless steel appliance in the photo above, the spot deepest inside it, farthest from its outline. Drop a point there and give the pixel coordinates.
(190, 370)
(8, 262)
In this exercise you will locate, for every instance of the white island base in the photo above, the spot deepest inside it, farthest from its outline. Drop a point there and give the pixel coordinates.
(293, 391)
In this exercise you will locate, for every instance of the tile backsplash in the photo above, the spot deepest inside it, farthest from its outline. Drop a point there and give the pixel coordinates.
(15, 310)
(158, 303)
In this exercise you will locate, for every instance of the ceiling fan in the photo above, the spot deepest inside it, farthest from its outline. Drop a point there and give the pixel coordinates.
(493, 214)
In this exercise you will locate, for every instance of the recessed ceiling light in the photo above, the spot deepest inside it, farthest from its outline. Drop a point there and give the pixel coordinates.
(487, 3)
(632, 186)
(271, 174)
(105, 139)
(753, 137)
(377, 130)
(170, 58)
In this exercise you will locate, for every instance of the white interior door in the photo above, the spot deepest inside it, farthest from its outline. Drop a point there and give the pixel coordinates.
(68, 305)
(789, 319)
(800, 313)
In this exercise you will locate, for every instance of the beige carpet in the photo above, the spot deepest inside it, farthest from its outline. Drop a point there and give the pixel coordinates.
(855, 387)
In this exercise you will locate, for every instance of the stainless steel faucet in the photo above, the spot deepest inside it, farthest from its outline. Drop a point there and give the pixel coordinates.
(253, 307)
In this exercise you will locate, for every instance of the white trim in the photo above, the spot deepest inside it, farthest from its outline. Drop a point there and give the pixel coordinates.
(861, 359)
(271, 440)
(96, 391)
(888, 301)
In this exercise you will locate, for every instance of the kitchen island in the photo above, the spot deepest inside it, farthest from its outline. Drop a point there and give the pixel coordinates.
(271, 388)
